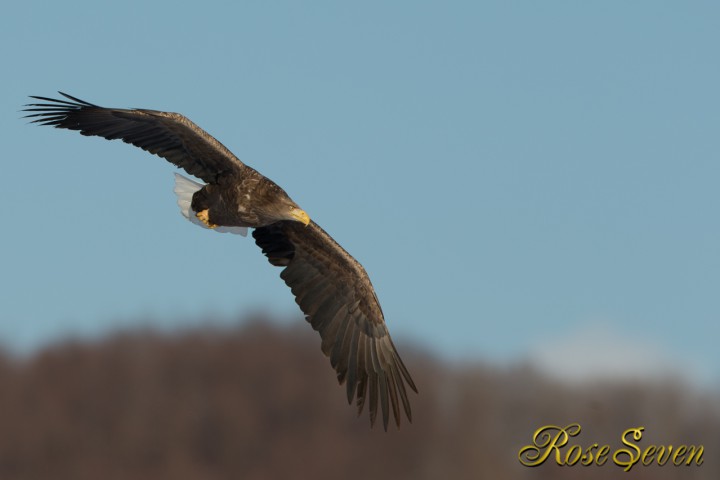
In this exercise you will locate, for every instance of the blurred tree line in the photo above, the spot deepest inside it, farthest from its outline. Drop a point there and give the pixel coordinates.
(262, 402)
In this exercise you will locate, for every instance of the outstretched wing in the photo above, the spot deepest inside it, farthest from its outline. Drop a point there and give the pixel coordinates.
(168, 135)
(338, 300)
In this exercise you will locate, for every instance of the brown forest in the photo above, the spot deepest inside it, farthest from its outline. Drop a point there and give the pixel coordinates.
(261, 401)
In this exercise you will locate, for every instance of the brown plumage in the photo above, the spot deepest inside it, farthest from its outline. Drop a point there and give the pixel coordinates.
(330, 286)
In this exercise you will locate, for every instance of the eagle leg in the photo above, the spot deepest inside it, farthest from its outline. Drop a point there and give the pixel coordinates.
(204, 216)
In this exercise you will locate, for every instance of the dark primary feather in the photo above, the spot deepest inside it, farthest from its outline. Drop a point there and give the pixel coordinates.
(338, 300)
(168, 135)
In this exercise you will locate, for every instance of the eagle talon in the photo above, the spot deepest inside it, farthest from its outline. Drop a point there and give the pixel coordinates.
(204, 216)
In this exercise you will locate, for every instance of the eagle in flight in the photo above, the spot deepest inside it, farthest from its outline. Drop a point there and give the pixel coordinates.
(330, 286)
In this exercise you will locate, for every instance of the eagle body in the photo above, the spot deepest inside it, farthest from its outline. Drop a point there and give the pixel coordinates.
(330, 286)
(243, 199)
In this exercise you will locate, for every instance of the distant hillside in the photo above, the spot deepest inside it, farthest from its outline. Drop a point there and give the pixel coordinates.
(262, 402)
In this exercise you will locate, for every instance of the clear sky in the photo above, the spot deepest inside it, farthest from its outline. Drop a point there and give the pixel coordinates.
(521, 179)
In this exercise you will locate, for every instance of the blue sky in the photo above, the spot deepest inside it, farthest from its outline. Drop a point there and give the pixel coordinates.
(516, 177)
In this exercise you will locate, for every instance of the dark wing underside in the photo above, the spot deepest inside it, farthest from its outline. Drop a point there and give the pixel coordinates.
(338, 300)
(168, 135)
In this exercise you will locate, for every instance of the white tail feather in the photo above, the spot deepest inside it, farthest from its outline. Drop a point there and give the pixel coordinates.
(185, 189)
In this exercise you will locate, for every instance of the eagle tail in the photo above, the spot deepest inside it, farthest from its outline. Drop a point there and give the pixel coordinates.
(185, 189)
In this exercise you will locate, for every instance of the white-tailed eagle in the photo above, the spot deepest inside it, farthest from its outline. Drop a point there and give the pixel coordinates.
(330, 286)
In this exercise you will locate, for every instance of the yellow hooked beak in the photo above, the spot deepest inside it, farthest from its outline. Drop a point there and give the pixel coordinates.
(300, 216)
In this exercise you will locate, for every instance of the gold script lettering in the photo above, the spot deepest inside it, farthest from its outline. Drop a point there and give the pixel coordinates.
(692, 450)
(553, 439)
(601, 457)
(631, 459)
(546, 440)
